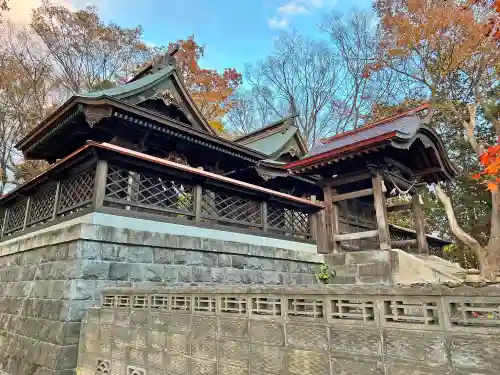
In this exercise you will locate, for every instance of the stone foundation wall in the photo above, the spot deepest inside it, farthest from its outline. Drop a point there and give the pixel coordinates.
(48, 281)
(337, 329)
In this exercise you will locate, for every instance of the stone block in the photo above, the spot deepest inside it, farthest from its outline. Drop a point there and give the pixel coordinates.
(306, 336)
(163, 256)
(271, 333)
(203, 367)
(304, 362)
(355, 340)
(185, 274)
(170, 273)
(83, 290)
(94, 270)
(202, 274)
(350, 270)
(204, 347)
(267, 359)
(119, 271)
(224, 260)
(154, 272)
(374, 269)
(367, 256)
(234, 352)
(157, 339)
(73, 311)
(67, 357)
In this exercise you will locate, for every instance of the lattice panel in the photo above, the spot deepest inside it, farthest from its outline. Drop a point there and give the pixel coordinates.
(150, 191)
(352, 310)
(230, 208)
(15, 220)
(77, 191)
(417, 312)
(42, 205)
(288, 220)
(234, 305)
(311, 307)
(204, 303)
(267, 306)
(481, 314)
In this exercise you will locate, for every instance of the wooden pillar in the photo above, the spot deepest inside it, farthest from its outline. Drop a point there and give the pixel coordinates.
(331, 219)
(381, 213)
(101, 176)
(418, 214)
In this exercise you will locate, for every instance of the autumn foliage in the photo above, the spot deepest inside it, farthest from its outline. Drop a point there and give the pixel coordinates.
(490, 161)
(212, 91)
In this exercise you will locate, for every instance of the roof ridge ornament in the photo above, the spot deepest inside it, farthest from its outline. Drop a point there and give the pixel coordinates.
(166, 59)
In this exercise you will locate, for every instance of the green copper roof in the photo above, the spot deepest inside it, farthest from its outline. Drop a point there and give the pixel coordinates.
(133, 88)
(273, 143)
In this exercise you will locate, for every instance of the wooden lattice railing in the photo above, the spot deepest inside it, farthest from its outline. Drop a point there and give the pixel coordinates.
(144, 189)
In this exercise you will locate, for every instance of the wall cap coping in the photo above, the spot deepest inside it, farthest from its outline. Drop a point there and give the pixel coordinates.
(458, 290)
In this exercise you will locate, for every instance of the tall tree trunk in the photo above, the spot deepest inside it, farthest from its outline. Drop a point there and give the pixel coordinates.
(491, 254)
(487, 256)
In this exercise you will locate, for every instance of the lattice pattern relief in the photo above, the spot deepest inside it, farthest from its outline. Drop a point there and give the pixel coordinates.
(15, 219)
(235, 305)
(418, 312)
(230, 208)
(204, 303)
(42, 205)
(267, 306)
(288, 220)
(148, 191)
(303, 307)
(103, 367)
(352, 310)
(475, 313)
(77, 191)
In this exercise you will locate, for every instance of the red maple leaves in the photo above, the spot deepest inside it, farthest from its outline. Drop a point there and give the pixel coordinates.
(490, 161)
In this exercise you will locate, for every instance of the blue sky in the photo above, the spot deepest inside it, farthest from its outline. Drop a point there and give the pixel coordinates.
(234, 32)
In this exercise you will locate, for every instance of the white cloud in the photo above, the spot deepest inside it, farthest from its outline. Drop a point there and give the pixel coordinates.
(277, 23)
(295, 8)
(292, 8)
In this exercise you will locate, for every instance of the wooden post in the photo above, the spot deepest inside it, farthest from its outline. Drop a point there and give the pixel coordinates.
(313, 221)
(5, 219)
(56, 199)
(26, 213)
(263, 215)
(418, 213)
(101, 177)
(381, 213)
(197, 202)
(321, 234)
(332, 219)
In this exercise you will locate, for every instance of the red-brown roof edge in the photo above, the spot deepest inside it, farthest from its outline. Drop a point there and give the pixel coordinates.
(377, 123)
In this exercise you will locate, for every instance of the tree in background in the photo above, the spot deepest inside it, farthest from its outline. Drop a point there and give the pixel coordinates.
(211, 91)
(451, 50)
(325, 82)
(86, 53)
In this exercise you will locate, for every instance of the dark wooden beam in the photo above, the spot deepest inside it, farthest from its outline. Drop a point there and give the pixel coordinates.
(403, 243)
(352, 195)
(331, 218)
(403, 168)
(356, 236)
(345, 179)
(381, 213)
(423, 247)
(428, 171)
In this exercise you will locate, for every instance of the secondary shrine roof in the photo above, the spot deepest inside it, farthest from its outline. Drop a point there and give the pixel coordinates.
(275, 139)
(415, 143)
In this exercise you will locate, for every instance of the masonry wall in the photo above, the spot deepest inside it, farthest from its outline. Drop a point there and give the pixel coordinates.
(48, 281)
(346, 330)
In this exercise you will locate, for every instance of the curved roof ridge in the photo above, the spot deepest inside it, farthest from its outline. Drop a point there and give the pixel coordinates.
(376, 123)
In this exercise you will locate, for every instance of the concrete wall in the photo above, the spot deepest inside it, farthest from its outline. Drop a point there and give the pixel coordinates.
(346, 330)
(48, 280)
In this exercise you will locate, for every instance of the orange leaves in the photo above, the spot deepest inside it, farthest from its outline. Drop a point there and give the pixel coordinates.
(212, 91)
(490, 161)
